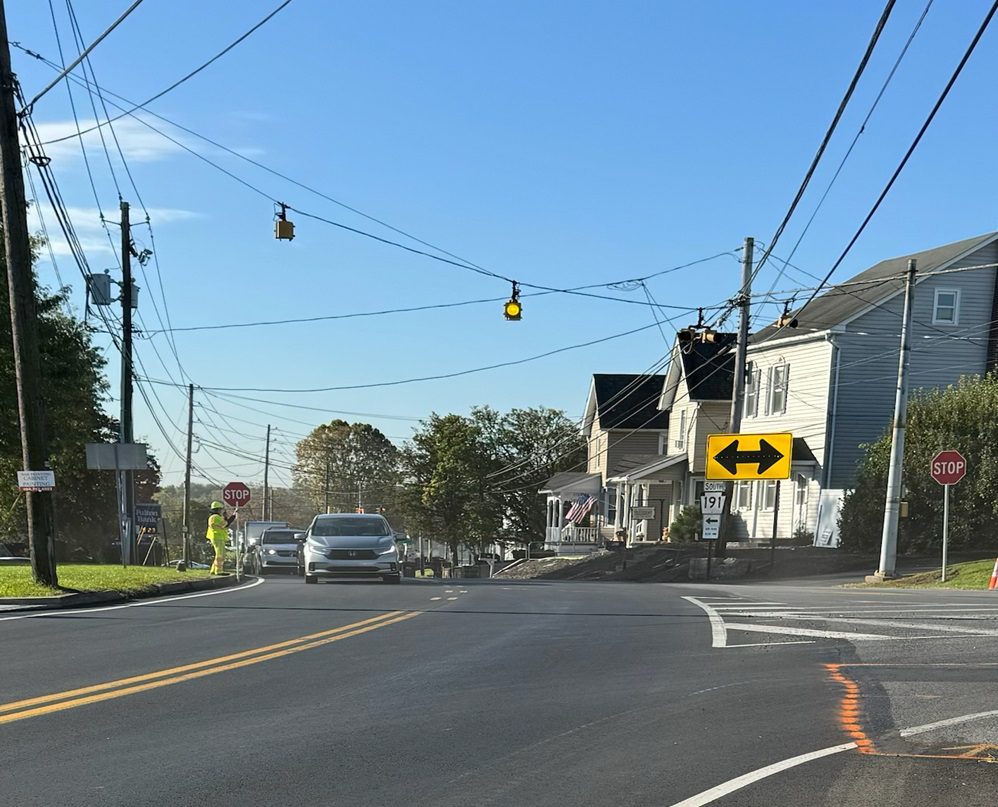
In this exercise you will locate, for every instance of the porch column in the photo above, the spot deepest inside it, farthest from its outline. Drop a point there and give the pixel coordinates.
(618, 516)
(625, 522)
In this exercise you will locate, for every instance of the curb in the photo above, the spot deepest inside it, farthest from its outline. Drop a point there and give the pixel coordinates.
(84, 598)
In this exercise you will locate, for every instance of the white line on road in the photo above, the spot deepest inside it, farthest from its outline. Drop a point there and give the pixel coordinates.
(746, 779)
(913, 625)
(152, 601)
(452, 598)
(718, 634)
(435, 598)
(821, 634)
(952, 721)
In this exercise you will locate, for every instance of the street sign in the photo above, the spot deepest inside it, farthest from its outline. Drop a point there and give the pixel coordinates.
(236, 494)
(711, 527)
(712, 504)
(147, 514)
(749, 456)
(643, 513)
(35, 480)
(713, 487)
(948, 467)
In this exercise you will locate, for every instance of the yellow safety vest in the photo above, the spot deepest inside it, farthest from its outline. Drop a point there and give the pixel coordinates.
(218, 530)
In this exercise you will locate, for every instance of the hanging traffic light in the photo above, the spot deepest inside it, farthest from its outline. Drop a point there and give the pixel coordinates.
(512, 309)
(284, 230)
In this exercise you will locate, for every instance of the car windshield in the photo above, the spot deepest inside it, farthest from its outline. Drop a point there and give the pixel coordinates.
(279, 537)
(351, 526)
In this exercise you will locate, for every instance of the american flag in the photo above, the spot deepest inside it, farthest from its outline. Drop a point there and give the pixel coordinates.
(580, 507)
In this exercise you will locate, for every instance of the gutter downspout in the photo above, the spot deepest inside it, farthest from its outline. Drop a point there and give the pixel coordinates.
(833, 413)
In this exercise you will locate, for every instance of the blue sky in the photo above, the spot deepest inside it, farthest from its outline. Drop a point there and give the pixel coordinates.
(556, 143)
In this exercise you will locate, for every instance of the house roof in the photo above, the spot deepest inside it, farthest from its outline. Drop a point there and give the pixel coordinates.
(709, 368)
(637, 466)
(625, 401)
(574, 481)
(801, 452)
(843, 302)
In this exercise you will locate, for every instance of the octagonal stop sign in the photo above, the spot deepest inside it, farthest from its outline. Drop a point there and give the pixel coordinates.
(948, 467)
(236, 494)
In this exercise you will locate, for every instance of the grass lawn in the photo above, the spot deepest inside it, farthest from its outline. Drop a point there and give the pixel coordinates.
(15, 581)
(973, 574)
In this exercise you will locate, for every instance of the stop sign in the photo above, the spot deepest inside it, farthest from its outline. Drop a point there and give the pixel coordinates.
(236, 494)
(948, 467)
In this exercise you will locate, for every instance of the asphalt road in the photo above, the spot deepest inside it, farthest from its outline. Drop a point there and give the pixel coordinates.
(498, 693)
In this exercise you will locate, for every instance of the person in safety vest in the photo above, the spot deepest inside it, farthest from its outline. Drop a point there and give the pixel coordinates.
(218, 534)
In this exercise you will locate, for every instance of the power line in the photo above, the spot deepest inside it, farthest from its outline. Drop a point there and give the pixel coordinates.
(173, 86)
(875, 37)
(911, 150)
(27, 108)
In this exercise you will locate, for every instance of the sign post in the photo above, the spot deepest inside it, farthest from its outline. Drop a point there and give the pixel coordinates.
(947, 468)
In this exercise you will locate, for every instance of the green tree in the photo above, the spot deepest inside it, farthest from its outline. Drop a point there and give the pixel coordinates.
(961, 416)
(362, 466)
(534, 444)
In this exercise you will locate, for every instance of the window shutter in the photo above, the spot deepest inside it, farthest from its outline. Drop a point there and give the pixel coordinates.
(786, 386)
(769, 390)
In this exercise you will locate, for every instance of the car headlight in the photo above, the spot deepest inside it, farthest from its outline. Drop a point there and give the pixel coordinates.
(386, 550)
(271, 551)
(315, 546)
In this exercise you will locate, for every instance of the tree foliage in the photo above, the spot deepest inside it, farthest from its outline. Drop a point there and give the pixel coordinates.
(960, 417)
(362, 464)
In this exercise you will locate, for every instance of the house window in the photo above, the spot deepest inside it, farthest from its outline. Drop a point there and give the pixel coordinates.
(946, 307)
(743, 495)
(751, 391)
(663, 443)
(768, 495)
(681, 432)
(779, 375)
(800, 491)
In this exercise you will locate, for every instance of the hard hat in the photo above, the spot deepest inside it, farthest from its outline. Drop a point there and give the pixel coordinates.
(217, 506)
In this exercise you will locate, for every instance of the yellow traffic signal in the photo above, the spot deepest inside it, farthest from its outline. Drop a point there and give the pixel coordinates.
(512, 309)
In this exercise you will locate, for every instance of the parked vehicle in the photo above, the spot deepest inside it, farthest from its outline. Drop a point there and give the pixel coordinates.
(253, 530)
(351, 545)
(278, 549)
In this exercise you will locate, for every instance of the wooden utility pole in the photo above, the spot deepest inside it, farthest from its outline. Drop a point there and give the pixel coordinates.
(326, 496)
(187, 477)
(266, 477)
(24, 324)
(127, 430)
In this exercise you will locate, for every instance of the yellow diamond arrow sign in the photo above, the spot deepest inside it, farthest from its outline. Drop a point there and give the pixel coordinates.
(749, 456)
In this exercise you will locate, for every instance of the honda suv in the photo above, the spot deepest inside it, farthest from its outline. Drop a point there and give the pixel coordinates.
(350, 545)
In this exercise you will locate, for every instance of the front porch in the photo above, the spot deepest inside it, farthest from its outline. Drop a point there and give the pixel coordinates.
(561, 535)
(647, 493)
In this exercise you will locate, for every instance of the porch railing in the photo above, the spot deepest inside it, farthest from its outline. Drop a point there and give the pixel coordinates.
(570, 534)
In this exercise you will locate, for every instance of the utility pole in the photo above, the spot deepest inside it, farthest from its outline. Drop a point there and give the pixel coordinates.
(24, 324)
(187, 477)
(266, 476)
(738, 391)
(892, 507)
(127, 432)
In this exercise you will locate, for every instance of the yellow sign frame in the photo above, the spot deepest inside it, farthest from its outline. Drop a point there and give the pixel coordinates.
(749, 456)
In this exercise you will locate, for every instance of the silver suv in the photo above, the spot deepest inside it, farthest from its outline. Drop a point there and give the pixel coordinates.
(351, 545)
(276, 549)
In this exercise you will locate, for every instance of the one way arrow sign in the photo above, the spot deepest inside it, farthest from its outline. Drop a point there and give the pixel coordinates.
(749, 456)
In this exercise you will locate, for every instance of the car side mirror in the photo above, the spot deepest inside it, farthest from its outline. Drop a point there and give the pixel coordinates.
(300, 537)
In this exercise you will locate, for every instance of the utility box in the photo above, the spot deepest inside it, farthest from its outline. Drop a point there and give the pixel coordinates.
(99, 287)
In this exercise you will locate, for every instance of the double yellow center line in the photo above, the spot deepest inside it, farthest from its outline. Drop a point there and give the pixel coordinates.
(70, 699)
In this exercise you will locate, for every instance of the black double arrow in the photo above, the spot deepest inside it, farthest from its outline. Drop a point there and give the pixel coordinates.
(766, 456)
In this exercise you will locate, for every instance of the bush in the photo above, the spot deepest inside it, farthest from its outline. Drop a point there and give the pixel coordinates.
(687, 527)
(802, 537)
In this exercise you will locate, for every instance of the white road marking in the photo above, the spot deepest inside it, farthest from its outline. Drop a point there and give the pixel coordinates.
(952, 721)
(726, 788)
(435, 598)
(718, 634)
(771, 644)
(151, 601)
(821, 634)
(913, 625)
(452, 598)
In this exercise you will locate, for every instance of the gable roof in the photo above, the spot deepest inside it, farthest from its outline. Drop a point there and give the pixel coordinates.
(709, 368)
(843, 302)
(572, 482)
(626, 401)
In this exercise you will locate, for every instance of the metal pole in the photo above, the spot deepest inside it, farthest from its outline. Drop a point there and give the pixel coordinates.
(326, 496)
(945, 528)
(186, 529)
(776, 523)
(24, 324)
(127, 430)
(709, 545)
(889, 537)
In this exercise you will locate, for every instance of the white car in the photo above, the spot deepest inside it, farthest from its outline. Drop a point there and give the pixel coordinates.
(351, 545)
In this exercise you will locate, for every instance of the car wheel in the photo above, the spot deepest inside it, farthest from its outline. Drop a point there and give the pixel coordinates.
(311, 578)
(392, 578)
